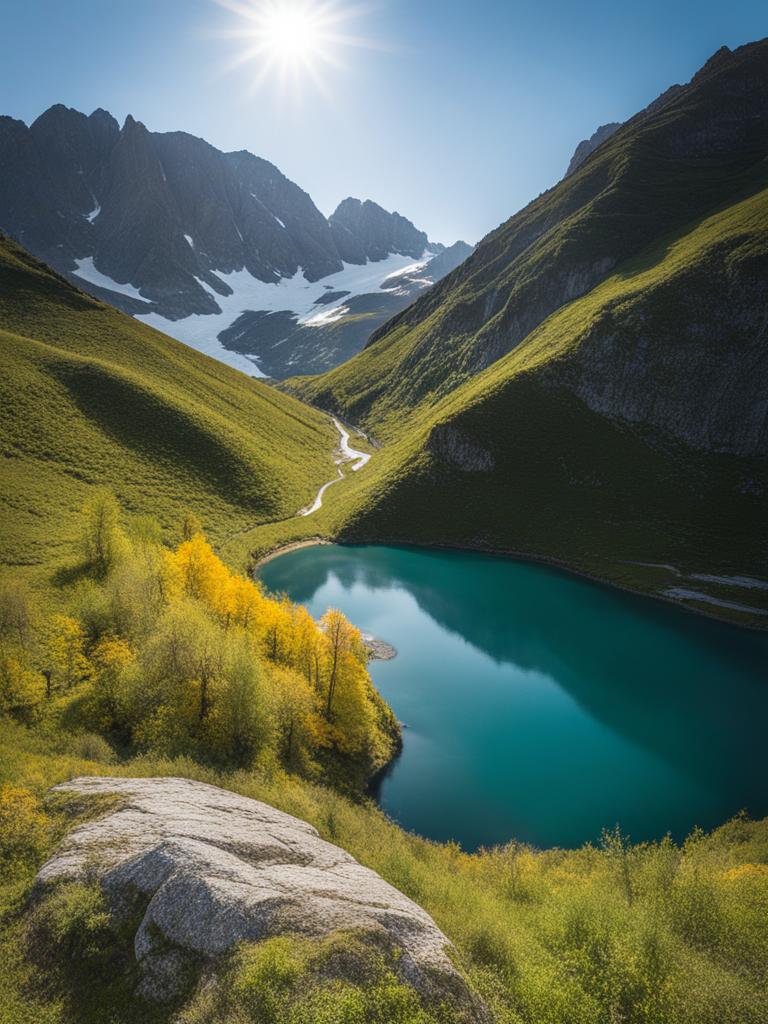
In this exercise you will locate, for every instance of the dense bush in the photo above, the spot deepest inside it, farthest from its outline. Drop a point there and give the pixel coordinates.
(345, 979)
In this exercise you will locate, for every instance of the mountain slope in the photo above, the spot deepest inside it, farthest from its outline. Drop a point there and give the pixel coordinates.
(673, 163)
(524, 458)
(168, 228)
(90, 397)
(574, 394)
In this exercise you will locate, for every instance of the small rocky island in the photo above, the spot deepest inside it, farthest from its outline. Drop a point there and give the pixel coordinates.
(378, 650)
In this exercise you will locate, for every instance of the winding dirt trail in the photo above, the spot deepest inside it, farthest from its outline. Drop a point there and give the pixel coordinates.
(347, 451)
(347, 454)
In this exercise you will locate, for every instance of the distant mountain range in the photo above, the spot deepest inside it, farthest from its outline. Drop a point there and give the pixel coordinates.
(590, 385)
(220, 250)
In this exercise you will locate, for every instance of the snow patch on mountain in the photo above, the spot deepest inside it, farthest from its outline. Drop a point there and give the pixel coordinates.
(328, 316)
(86, 269)
(295, 295)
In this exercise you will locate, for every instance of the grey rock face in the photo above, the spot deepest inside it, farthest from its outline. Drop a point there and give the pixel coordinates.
(364, 231)
(587, 146)
(216, 868)
(451, 445)
(699, 373)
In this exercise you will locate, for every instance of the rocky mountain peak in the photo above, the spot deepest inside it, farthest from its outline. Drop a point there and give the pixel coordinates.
(718, 59)
(363, 230)
(132, 125)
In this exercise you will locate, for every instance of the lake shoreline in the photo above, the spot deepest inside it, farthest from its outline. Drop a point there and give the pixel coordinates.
(548, 560)
(520, 556)
(283, 549)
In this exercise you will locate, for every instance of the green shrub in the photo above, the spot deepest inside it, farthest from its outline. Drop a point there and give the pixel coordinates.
(344, 979)
(24, 829)
(72, 924)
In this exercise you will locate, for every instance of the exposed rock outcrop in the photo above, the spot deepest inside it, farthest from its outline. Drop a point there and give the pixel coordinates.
(214, 869)
(587, 146)
(451, 445)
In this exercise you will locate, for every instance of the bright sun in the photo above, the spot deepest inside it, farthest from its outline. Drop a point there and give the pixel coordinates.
(291, 40)
(291, 32)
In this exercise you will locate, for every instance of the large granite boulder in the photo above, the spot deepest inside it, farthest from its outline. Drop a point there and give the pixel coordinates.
(212, 869)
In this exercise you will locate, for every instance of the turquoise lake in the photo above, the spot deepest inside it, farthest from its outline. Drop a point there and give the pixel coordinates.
(542, 707)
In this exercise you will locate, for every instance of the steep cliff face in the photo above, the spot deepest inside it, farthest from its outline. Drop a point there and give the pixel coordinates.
(688, 359)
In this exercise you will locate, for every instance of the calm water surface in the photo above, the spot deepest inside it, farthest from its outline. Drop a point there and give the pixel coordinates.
(543, 707)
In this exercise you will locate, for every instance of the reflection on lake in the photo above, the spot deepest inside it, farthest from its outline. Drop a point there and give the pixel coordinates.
(543, 707)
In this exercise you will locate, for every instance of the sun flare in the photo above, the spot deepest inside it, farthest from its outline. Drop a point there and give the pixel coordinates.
(291, 33)
(292, 40)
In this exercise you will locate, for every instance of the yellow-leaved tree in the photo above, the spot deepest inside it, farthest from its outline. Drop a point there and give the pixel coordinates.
(68, 661)
(102, 706)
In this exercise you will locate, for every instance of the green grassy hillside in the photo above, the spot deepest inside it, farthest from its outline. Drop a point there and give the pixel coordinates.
(90, 397)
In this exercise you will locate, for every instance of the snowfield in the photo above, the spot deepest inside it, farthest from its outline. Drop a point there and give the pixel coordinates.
(294, 295)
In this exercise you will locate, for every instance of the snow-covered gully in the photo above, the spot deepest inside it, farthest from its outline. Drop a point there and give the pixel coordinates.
(347, 454)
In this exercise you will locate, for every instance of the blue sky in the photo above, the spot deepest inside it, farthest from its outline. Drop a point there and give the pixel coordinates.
(462, 113)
